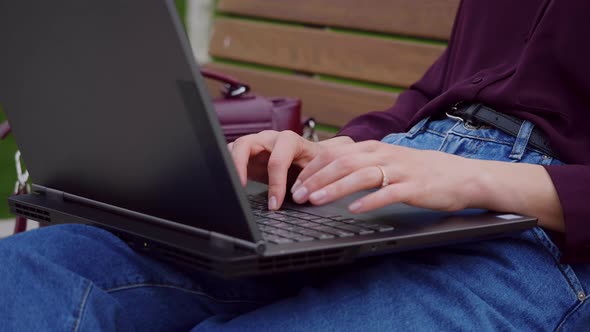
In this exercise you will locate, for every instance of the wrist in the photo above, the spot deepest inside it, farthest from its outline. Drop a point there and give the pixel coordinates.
(479, 189)
(518, 188)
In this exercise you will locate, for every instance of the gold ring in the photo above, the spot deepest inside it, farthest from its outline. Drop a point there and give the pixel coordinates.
(385, 181)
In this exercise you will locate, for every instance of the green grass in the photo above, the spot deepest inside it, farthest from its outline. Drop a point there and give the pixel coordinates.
(327, 128)
(181, 7)
(7, 170)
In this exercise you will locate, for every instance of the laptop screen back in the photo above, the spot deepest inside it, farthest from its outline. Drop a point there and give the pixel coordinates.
(105, 103)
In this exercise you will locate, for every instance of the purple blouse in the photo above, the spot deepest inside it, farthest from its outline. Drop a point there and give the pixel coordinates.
(527, 58)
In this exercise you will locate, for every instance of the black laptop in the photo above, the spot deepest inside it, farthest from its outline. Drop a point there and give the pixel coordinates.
(116, 127)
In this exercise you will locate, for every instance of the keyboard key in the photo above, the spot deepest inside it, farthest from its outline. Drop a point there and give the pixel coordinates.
(265, 228)
(290, 225)
(334, 231)
(308, 217)
(332, 223)
(316, 234)
(377, 227)
(366, 232)
(301, 238)
(315, 226)
(350, 228)
(278, 239)
(277, 216)
(273, 222)
(322, 220)
(286, 234)
(340, 218)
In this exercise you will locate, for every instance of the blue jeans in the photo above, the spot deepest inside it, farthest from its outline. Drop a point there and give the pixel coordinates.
(80, 278)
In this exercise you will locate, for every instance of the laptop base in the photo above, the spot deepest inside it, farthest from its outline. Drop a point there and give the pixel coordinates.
(202, 253)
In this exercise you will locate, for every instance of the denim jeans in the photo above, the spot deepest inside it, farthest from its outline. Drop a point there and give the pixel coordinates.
(81, 278)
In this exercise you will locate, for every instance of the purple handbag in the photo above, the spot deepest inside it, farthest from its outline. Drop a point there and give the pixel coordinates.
(241, 113)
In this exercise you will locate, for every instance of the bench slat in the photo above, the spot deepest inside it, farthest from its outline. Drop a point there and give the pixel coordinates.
(420, 18)
(372, 59)
(329, 103)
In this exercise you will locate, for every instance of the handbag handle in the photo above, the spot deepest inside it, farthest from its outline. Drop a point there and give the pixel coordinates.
(233, 87)
(4, 129)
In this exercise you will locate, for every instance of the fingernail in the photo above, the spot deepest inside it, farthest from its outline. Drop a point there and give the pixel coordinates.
(318, 196)
(272, 203)
(300, 194)
(355, 206)
(295, 185)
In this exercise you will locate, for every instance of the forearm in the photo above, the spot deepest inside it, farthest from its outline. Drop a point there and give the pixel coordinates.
(519, 188)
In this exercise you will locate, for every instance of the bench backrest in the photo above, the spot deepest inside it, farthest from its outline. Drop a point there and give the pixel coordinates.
(341, 57)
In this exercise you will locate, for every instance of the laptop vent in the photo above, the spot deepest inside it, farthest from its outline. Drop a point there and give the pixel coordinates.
(184, 258)
(248, 266)
(255, 266)
(32, 213)
(299, 261)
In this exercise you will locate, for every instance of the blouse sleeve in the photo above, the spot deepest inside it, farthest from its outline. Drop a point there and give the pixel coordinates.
(376, 125)
(572, 183)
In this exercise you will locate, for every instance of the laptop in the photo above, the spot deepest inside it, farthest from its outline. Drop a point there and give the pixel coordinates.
(117, 130)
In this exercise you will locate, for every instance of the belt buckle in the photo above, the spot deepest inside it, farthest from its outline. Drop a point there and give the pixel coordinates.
(454, 108)
(468, 121)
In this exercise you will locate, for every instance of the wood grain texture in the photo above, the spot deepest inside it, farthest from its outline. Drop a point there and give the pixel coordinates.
(329, 103)
(420, 18)
(372, 59)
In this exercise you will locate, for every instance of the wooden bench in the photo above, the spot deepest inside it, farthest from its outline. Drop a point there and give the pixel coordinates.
(343, 58)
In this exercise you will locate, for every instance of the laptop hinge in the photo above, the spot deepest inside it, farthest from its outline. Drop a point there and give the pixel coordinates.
(217, 239)
(222, 240)
(52, 194)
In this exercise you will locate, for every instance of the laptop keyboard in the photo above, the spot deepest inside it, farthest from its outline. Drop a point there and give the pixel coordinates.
(290, 225)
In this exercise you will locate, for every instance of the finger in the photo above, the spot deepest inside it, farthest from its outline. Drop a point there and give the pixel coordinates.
(245, 147)
(329, 155)
(391, 194)
(284, 152)
(362, 179)
(332, 172)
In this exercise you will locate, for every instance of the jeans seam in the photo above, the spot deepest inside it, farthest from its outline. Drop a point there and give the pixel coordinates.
(556, 261)
(434, 132)
(568, 314)
(493, 140)
(82, 307)
(182, 289)
(577, 304)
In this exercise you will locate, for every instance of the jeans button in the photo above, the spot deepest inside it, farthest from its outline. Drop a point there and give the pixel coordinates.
(581, 296)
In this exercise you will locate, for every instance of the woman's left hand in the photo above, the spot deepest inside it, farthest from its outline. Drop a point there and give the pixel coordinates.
(428, 179)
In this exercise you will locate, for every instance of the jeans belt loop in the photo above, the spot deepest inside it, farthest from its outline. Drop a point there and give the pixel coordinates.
(522, 140)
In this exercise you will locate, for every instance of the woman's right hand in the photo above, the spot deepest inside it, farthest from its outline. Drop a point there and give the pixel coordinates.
(268, 156)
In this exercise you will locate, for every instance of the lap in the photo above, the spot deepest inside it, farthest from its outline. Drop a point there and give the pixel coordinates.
(82, 276)
(85, 278)
(512, 283)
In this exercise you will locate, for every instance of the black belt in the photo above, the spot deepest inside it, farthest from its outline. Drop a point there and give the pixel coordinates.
(478, 113)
